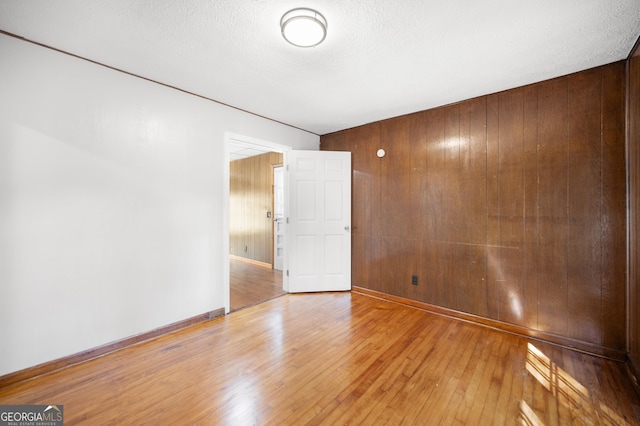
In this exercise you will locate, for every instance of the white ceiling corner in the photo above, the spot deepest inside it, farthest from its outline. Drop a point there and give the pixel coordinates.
(381, 58)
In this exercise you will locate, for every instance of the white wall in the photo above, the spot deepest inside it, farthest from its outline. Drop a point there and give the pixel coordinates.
(110, 203)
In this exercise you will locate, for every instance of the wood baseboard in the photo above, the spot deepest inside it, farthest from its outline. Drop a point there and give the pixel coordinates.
(89, 354)
(254, 262)
(546, 337)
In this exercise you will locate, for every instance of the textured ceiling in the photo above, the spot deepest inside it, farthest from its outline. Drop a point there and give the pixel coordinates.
(381, 58)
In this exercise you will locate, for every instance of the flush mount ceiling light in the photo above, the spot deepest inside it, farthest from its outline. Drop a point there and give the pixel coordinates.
(303, 27)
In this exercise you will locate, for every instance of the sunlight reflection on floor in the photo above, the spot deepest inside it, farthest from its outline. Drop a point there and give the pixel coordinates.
(566, 391)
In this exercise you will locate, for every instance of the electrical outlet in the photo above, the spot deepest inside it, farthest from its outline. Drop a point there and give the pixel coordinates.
(414, 279)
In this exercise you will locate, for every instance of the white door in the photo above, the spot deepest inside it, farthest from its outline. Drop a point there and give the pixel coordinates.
(319, 216)
(278, 218)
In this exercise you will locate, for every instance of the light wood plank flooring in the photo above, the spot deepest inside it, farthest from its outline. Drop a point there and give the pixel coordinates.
(337, 358)
(251, 284)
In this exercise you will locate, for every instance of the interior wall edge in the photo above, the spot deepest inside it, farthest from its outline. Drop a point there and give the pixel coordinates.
(633, 211)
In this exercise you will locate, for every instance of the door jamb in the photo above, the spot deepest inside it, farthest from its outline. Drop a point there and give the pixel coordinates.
(273, 211)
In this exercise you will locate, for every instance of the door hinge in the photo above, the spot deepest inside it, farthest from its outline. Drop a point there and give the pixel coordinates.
(287, 220)
(287, 272)
(287, 167)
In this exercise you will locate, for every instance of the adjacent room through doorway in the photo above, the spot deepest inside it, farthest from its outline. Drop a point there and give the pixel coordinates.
(255, 252)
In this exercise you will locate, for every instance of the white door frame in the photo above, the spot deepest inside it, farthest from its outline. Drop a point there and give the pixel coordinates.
(236, 139)
(278, 170)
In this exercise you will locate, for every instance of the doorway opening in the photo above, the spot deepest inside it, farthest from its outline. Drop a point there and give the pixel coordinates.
(249, 220)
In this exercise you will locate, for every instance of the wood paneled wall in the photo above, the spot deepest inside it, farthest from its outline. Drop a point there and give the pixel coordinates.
(509, 206)
(251, 197)
(633, 128)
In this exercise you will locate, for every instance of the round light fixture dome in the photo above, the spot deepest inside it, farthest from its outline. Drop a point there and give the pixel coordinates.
(303, 27)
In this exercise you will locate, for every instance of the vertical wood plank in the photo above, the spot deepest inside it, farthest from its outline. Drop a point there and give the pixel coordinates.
(453, 253)
(584, 202)
(395, 178)
(475, 206)
(613, 206)
(530, 243)
(398, 211)
(552, 206)
(419, 184)
(511, 205)
(494, 271)
(435, 215)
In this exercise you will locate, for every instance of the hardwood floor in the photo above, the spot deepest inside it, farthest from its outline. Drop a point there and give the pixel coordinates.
(251, 284)
(337, 358)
